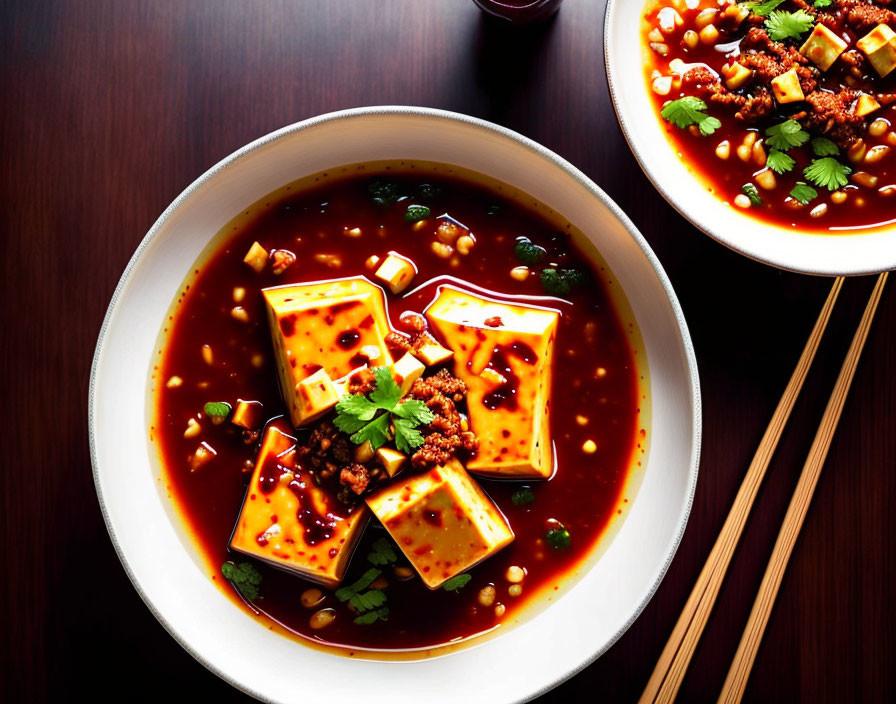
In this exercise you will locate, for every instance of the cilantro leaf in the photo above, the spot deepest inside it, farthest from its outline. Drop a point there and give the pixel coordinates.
(357, 406)
(458, 581)
(828, 173)
(558, 538)
(788, 25)
(383, 553)
(523, 497)
(407, 438)
(688, 111)
(528, 252)
(217, 411)
(364, 581)
(387, 393)
(415, 411)
(823, 3)
(779, 162)
(381, 614)
(415, 213)
(763, 8)
(244, 577)
(553, 283)
(822, 146)
(752, 193)
(370, 599)
(803, 193)
(786, 135)
(376, 432)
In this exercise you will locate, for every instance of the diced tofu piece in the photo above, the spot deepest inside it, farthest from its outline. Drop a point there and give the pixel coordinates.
(736, 75)
(290, 522)
(879, 45)
(256, 257)
(334, 326)
(787, 87)
(443, 522)
(315, 395)
(432, 353)
(396, 272)
(823, 47)
(406, 371)
(391, 460)
(494, 340)
(866, 104)
(247, 414)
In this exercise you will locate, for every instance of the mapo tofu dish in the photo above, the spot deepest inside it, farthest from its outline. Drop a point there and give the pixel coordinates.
(395, 409)
(786, 108)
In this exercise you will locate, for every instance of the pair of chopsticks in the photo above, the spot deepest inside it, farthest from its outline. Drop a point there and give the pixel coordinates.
(670, 669)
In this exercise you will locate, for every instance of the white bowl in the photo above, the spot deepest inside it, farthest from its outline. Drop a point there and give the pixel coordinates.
(524, 661)
(861, 251)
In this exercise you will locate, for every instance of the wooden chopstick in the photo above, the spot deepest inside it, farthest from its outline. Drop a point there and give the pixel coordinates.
(673, 662)
(736, 681)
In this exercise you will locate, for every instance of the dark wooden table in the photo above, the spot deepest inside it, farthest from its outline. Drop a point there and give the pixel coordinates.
(112, 107)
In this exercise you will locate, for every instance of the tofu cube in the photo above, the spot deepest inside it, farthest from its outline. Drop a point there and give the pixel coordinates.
(736, 75)
(823, 47)
(396, 272)
(256, 257)
(247, 414)
(288, 521)
(391, 460)
(787, 87)
(334, 326)
(866, 104)
(879, 45)
(406, 371)
(508, 369)
(443, 522)
(315, 395)
(432, 353)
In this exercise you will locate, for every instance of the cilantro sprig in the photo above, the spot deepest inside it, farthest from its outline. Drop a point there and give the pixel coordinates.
(688, 111)
(828, 173)
(558, 538)
(523, 497)
(782, 25)
(528, 252)
(751, 192)
(369, 603)
(244, 577)
(374, 418)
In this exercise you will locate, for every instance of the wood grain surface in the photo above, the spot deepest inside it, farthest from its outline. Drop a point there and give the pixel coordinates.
(112, 107)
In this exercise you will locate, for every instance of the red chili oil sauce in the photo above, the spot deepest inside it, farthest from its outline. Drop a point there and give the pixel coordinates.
(595, 396)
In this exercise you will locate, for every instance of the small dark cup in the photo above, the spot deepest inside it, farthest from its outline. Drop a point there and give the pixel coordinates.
(520, 11)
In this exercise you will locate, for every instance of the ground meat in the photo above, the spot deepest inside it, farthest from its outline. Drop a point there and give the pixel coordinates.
(355, 477)
(863, 16)
(701, 81)
(362, 381)
(412, 322)
(445, 435)
(409, 343)
(831, 115)
(757, 106)
(329, 455)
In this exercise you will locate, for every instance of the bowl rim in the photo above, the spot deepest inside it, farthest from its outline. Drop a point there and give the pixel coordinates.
(704, 224)
(433, 114)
